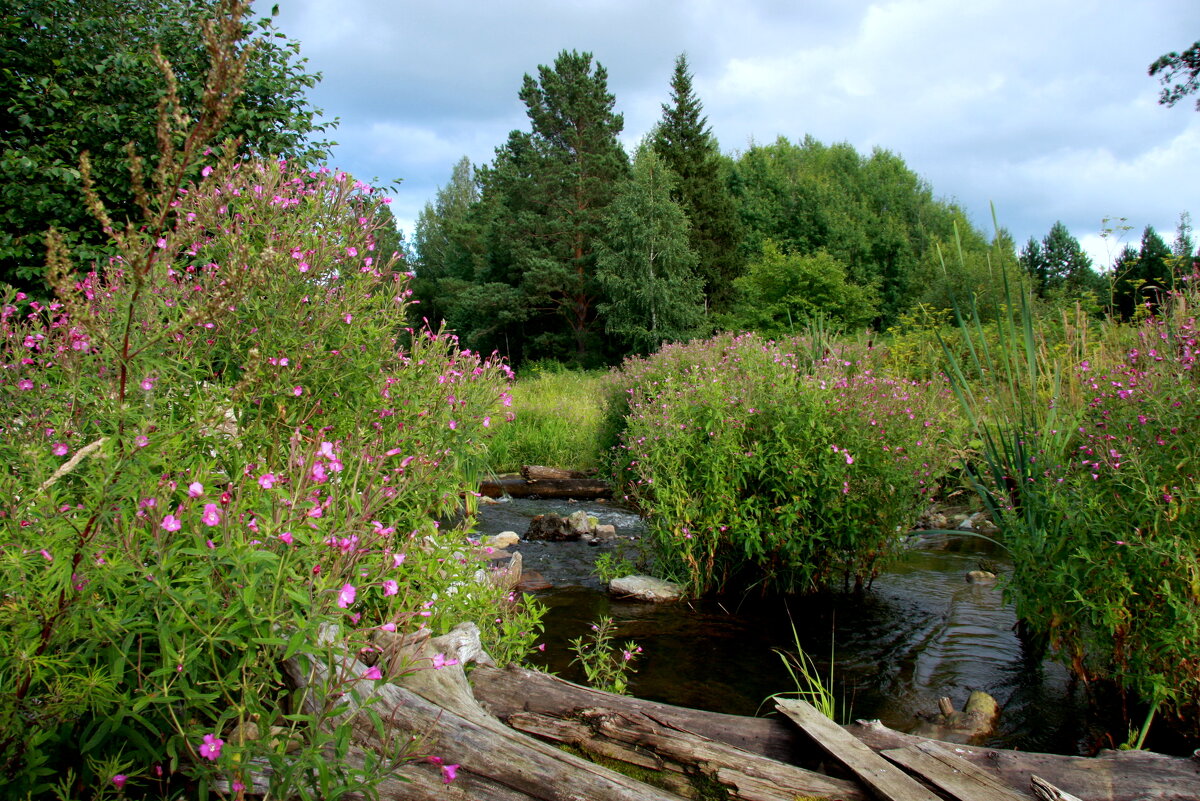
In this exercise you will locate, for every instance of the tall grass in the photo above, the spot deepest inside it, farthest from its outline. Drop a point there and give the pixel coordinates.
(556, 415)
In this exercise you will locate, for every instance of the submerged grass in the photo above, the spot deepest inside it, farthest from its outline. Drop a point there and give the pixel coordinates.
(556, 421)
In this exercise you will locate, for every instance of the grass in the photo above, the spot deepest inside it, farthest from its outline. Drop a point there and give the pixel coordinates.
(557, 416)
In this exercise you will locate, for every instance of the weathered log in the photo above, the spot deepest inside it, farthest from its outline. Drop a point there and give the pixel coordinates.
(1112, 776)
(517, 487)
(884, 779)
(536, 472)
(952, 775)
(454, 728)
(514, 689)
(638, 739)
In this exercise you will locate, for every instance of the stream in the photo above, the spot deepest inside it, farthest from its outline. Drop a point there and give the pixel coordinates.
(922, 632)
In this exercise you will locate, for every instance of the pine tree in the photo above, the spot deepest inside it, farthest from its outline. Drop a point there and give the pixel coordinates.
(687, 146)
(645, 262)
(552, 187)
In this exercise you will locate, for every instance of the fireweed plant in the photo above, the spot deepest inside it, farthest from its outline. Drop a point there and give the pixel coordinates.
(221, 446)
(1090, 464)
(777, 465)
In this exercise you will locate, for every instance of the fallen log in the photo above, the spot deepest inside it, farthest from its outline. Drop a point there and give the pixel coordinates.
(1111, 776)
(437, 707)
(536, 472)
(518, 487)
(638, 739)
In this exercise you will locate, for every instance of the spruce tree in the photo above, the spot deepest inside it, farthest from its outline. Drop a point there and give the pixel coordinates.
(686, 144)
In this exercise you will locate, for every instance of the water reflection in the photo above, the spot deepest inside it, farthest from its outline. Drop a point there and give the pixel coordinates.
(922, 633)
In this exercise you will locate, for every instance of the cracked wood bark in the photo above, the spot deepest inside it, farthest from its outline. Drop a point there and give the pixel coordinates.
(516, 487)
(1112, 776)
(884, 780)
(639, 739)
(438, 708)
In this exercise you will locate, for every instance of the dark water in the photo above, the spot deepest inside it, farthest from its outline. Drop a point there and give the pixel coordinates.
(922, 632)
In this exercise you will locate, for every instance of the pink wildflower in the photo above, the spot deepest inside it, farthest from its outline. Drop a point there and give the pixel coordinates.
(346, 596)
(171, 523)
(267, 480)
(195, 489)
(373, 673)
(212, 515)
(60, 449)
(211, 749)
(390, 587)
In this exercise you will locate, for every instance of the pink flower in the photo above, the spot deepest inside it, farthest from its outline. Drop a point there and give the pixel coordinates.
(211, 749)
(207, 171)
(346, 596)
(148, 383)
(286, 538)
(849, 458)
(141, 440)
(373, 674)
(25, 383)
(449, 773)
(119, 780)
(348, 317)
(267, 480)
(453, 424)
(60, 449)
(171, 523)
(390, 587)
(212, 515)
(398, 559)
(440, 661)
(195, 489)
(297, 391)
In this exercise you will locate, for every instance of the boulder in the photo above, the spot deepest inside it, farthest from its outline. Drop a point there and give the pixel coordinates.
(976, 721)
(981, 577)
(502, 540)
(552, 528)
(646, 588)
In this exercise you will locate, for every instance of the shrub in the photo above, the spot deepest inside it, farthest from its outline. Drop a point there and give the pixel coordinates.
(220, 450)
(758, 466)
(1102, 514)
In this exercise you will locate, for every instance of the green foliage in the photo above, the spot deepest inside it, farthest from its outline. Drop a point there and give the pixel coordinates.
(605, 665)
(1088, 468)
(806, 677)
(545, 198)
(556, 417)
(80, 76)
(1186, 67)
(222, 452)
(788, 466)
(1142, 278)
(611, 565)
(872, 214)
(686, 144)
(645, 264)
(1058, 265)
(783, 292)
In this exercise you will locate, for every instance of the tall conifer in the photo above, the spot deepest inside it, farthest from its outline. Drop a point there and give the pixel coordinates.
(686, 144)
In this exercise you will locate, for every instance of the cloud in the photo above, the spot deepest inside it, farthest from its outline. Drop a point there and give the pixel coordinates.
(1043, 107)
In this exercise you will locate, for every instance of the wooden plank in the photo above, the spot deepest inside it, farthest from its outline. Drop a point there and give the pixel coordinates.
(952, 774)
(882, 778)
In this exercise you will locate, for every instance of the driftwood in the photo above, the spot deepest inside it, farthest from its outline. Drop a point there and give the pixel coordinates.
(954, 776)
(883, 779)
(1112, 776)
(535, 472)
(518, 487)
(494, 761)
(638, 739)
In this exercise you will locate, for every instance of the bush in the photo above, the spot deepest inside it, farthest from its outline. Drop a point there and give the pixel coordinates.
(776, 464)
(221, 447)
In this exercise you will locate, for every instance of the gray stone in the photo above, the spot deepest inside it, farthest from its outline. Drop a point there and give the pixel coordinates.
(646, 588)
(502, 540)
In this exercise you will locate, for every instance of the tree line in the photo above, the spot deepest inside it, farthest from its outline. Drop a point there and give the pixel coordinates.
(566, 247)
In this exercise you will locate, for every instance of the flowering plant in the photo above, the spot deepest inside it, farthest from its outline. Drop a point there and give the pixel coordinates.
(224, 446)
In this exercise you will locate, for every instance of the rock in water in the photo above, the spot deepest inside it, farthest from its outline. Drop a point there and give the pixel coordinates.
(552, 528)
(646, 588)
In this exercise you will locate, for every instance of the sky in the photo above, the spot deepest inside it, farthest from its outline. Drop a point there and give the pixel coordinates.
(1040, 108)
